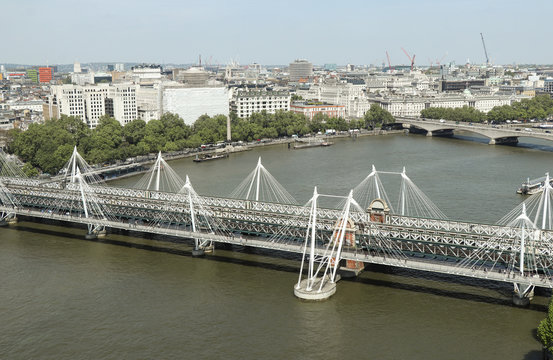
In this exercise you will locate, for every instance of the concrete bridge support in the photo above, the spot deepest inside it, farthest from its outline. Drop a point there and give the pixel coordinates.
(523, 294)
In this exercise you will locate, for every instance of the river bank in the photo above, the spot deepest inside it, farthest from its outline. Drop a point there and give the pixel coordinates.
(150, 159)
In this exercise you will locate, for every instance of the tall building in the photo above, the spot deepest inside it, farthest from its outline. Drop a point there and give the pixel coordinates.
(121, 103)
(91, 102)
(45, 74)
(32, 74)
(191, 103)
(300, 69)
(548, 85)
(77, 67)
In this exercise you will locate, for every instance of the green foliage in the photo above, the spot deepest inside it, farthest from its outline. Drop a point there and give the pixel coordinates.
(29, 170)
(538, 107)
(378, 116)
(545, 329)
(467, 114)
(295, 97)
(47, 146)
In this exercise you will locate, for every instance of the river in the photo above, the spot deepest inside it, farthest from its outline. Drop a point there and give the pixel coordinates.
(143, 297)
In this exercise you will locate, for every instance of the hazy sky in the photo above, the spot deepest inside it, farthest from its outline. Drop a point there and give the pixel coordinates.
(275, 32)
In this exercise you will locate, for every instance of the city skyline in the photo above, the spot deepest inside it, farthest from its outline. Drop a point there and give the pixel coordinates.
(58, 32)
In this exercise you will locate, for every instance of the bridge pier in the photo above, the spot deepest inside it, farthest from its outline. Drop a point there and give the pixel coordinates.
(429, 133)
(523, 294)
(310, 289)
(491, 142)
(95, 234)
(198, 252)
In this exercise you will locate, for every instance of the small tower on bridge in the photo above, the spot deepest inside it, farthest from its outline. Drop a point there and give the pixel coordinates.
(378, 210)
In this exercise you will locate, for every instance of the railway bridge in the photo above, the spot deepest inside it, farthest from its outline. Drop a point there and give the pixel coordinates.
(332, 241)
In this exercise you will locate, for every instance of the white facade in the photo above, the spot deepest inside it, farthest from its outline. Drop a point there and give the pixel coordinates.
(34, 105)
(148, 103)
(245, 103)
(123, 98)
(93, 101)
(69, 99)
(412, 106)
(191, 103)
(146, 73)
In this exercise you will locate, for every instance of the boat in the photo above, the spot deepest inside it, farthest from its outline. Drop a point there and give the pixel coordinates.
(208, 157)
(310, 144)
(531, 187)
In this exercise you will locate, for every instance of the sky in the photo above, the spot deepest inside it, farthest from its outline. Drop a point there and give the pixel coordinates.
(275, 32)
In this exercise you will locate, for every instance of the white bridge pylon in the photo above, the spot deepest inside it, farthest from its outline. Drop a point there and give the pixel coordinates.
(260, 185)
(77, 163)
(8, 203)
(411, 200)
(321, 273)
(160, 177)
(8, 168)
(77, 175)
(201, 219)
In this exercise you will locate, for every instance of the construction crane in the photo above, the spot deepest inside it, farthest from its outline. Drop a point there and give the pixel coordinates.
(412, 59)
(485, 51)
(389, 64)
(439, 62)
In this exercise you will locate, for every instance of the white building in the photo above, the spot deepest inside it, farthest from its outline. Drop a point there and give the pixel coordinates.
(148, 102)
(146, 73)
(245, 103)
(412, 105)
(93, 101)
(191, 103)
(121, 103)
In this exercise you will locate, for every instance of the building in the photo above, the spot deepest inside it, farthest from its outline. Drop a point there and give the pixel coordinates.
(548, 86)
(459, 85)
(191, 103)
(148, 102)
(91, 102)
(411, 106)
(245, 103)
(300, 69)
(32, 74)
(146, 73)
(45, 74)
(121, 103)
(312, 108)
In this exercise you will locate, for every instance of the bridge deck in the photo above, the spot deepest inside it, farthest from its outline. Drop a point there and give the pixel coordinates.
(295, 247)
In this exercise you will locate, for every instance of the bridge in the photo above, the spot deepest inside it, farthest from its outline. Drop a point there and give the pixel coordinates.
(497, 134)
(362, 228)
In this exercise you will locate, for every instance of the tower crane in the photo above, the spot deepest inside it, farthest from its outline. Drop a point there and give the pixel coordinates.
(389, 64)
(485, 51)
(412, 59)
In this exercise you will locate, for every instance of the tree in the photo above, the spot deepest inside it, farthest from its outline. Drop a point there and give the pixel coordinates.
(545, 329)
(377, 115)
(29, 170)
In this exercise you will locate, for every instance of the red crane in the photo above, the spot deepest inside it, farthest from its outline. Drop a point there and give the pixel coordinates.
(389, 64)
(412, 59)
(440, 61)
